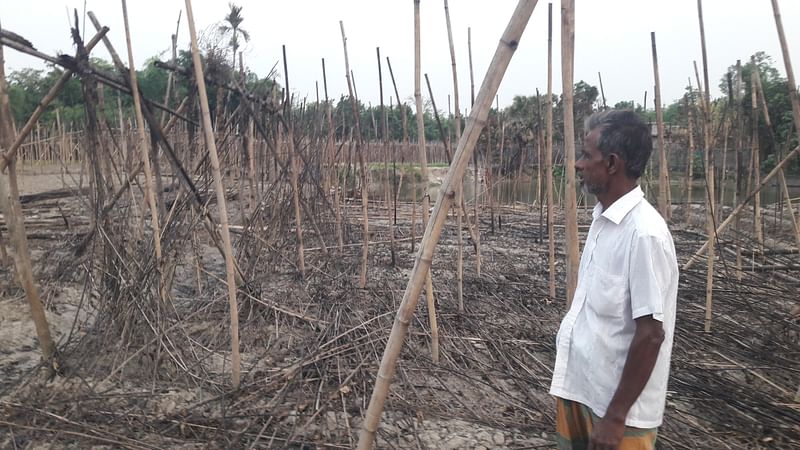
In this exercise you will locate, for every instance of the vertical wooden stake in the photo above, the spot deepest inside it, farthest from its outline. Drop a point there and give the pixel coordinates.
(758, 224)
(689, 162)
(208, 132)
(476, 171)
(293, 170)
(387, 191)
(571, 213)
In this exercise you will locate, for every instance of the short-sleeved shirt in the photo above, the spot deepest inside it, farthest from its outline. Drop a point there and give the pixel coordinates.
(628, 270)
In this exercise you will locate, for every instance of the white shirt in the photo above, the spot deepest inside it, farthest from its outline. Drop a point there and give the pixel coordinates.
(628, 270)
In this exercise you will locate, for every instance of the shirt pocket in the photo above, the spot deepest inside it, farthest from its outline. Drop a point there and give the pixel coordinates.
(607, 294)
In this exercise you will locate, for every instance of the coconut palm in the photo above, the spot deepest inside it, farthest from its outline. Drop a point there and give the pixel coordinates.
(233, 21)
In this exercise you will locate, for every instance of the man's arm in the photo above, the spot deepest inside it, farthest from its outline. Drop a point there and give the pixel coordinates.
(641, 359)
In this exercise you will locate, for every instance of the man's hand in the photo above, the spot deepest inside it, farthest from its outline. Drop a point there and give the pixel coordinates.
(607, 434)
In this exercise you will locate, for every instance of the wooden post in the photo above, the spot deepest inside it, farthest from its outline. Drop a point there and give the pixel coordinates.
(551, 238)
(362, 279)
(208, 132)
(663, 169)
(423, 162)
(508, 43)
(15, 223)
(602, 91)
(571, 213)
(406, 147)
(689, 161)
(334, 168)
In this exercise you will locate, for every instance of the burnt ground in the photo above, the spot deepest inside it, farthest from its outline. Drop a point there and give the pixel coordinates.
(141, 374)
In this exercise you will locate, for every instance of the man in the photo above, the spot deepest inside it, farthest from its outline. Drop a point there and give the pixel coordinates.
(614, 344)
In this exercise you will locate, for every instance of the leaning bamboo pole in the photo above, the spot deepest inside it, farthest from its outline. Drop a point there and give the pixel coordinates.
(150, 194)
(362, 278)
(15, 224)
(781, 174)
(793, 95)
(571, 213)
(423, 162)
(211, 145)
(406, 147)
(551, 239)
(460, 191)
(333, 167)
(480, 111)
(663, 169)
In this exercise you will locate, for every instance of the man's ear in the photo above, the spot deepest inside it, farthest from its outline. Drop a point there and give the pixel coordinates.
(614, 163)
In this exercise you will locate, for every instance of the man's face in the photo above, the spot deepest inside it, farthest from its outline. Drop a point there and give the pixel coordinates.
(592, 167)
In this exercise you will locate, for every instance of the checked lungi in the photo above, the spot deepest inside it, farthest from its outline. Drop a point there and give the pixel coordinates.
(574, 422)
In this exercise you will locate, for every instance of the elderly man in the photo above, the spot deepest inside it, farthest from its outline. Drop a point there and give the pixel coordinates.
(614, 344)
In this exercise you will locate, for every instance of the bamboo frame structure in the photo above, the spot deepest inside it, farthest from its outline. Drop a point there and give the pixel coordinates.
(208, 132)
(570, 196)
(506, 47)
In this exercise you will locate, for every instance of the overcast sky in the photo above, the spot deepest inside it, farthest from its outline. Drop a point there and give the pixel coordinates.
(612, 37)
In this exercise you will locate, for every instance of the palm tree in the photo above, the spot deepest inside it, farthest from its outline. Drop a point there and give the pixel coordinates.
(233, 21)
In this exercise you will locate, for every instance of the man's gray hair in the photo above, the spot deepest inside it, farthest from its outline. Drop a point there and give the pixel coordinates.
(624, 133)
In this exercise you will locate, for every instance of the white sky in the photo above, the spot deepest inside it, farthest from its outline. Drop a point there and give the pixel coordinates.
(612, 37)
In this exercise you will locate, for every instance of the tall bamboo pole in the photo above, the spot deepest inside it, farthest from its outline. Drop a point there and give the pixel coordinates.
(15, 224)
(333, 167)
(508, 43)
(362, 278)
(293, 169)
(406, 146)
(690, 161)
(460, 190)
(423, 161)
(663, 169)
(793, 95)
(551, 238)
(476, 190)
(211, 145)
(571, 213)
(758, 225)
(385, 128)
(602, 91)
(143, 141)
(709, 163)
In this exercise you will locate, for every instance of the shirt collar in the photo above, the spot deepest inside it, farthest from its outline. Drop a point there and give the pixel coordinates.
(620, 208)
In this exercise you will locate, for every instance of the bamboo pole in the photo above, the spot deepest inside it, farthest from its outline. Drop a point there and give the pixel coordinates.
(508, 43)
(758, 225)
(406, 147)
(689, 162)
(362, 279)
(603, 91)
(144, 154)
(385, 128)
(793, 95)
(423, 161)
(781, 174)
(460, 190)
(571, 213)
(293, 170)
(476, 176)
(551, 239)
(332, 162)
(709, 163)
(15, 224)
(221, 205)
(663, 169)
